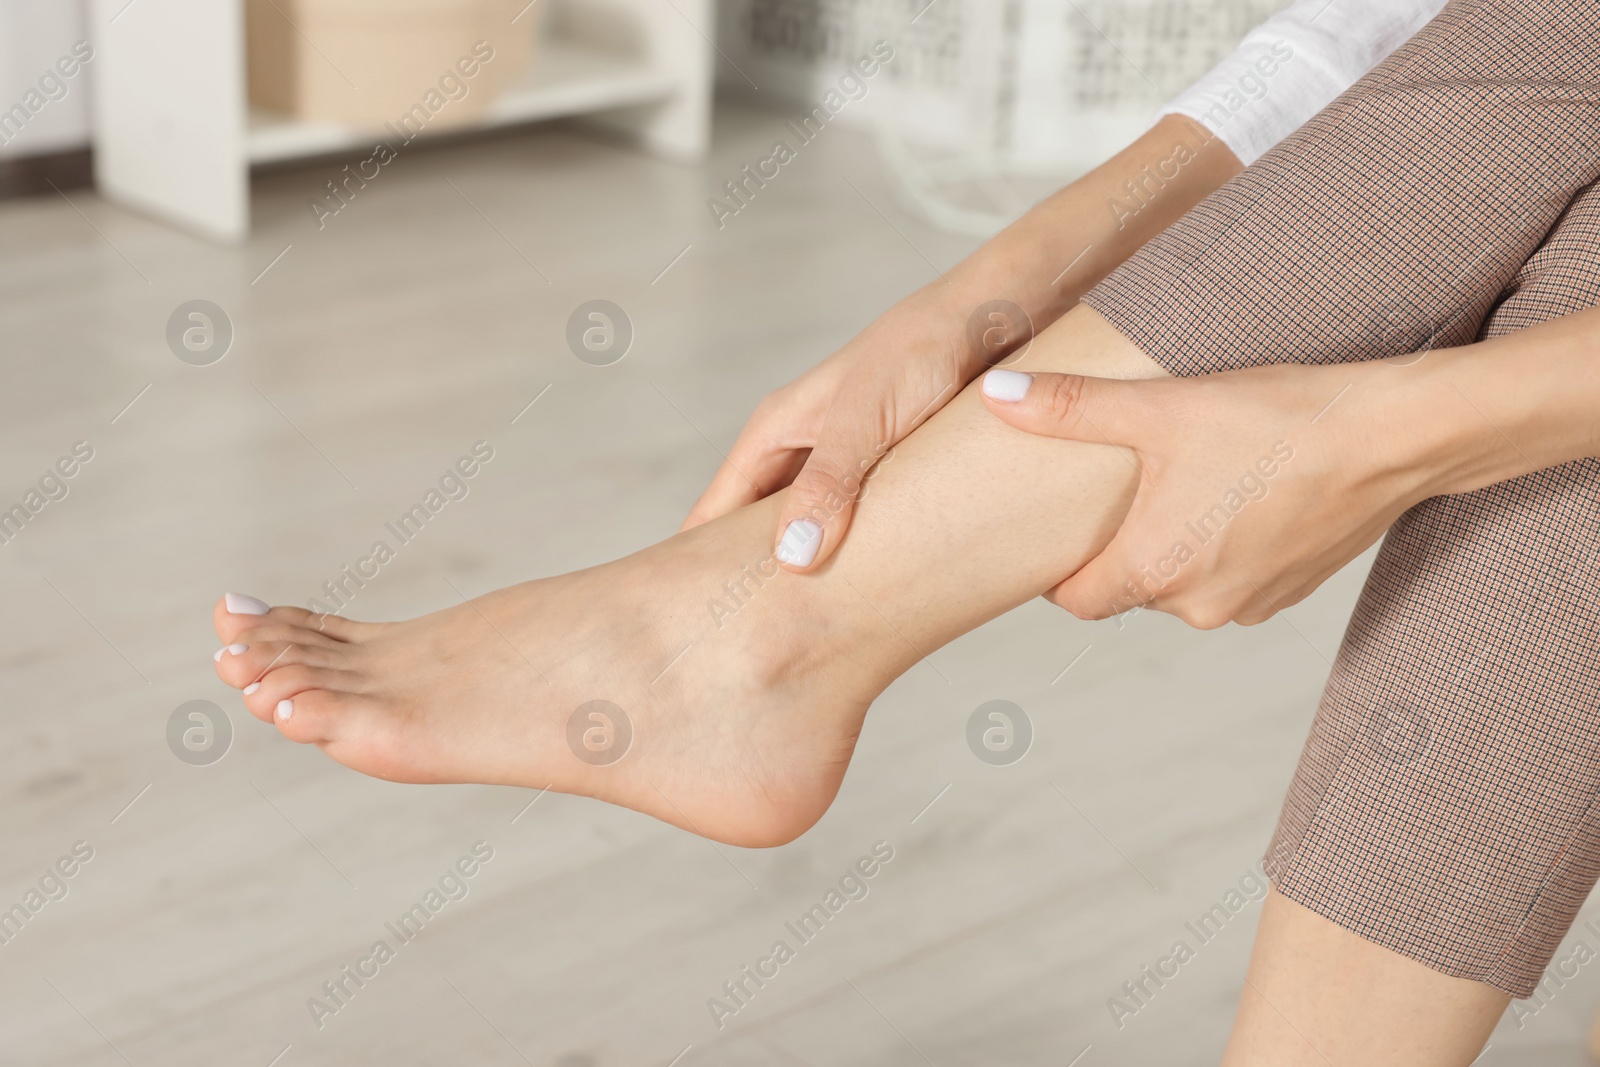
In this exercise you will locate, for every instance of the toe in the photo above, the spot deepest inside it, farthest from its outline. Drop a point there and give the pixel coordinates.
(315, 716)
(304, 702)
(245, 662)
(235, 613)
(335, 626)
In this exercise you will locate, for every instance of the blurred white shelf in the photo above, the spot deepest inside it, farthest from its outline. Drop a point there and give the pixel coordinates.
(174, 134)
(564, 79)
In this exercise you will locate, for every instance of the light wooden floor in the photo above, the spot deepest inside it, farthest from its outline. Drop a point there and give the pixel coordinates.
(367, 358)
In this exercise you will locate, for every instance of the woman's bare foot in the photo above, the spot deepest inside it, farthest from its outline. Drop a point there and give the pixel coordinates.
(744, 686)
(727, 723)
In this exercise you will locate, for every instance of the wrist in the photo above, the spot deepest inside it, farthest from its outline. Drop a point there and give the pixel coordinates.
(1446, 441)
(1395, 432)
(975, 311)
(1038, 268)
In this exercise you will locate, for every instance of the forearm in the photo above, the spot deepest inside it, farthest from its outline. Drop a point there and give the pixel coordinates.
(820, 432)
(1283, 72)
(1499, 409)
(1046, 260)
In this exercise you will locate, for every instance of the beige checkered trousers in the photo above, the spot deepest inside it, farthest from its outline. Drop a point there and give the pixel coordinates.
(1445, 806)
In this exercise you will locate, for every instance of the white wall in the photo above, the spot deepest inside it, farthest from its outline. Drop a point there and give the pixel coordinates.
(33, 35)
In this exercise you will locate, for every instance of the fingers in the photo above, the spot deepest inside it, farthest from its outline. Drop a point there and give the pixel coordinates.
(809, 533)
(772, 446)
(823, 496)
(872, 412)
(1074, 407)
(1126, 575)
(729, 491)
(745, 477)
(1094, 593)
(1098, 590)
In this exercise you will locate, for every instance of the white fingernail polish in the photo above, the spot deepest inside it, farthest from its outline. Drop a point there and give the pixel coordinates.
(251, 688)
(800, 542)
(285, 710)
(1006, 386)
(239, 604)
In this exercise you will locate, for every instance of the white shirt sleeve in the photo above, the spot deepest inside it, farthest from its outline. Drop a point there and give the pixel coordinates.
(1292, 65)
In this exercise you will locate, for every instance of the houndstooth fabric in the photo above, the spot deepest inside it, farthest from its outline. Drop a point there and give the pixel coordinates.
(1447, 804)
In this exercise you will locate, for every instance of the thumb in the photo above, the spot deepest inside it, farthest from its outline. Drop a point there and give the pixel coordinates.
(822, 499)
(1094, 592)
(1071, 406)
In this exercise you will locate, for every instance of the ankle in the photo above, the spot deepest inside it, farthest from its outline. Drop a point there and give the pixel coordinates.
(766, 631)
(795, 636)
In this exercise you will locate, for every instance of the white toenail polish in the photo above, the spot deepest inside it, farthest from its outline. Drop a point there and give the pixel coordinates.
(800, 542)
(237, 650)
(251, 688)
(1006, 386)
(239, 604)
(285, 710)
(216, 657)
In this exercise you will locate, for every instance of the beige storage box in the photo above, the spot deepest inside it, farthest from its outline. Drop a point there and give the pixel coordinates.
(372, 62)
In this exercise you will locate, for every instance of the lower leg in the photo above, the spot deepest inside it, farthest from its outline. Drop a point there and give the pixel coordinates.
(744, 718)
(744, 691)
(1317, 994)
